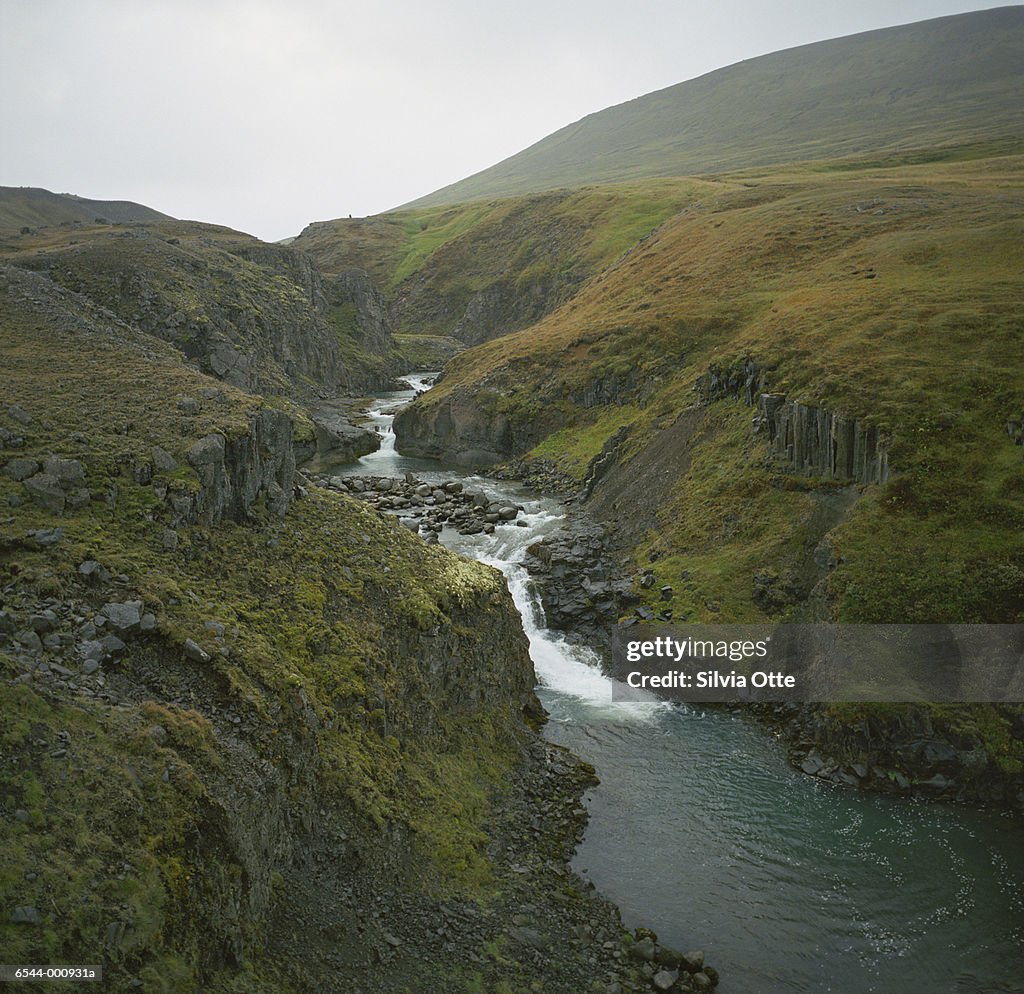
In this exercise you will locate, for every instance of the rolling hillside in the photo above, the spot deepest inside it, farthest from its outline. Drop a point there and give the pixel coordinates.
(953, 80)
(890, 298)
(27, 206)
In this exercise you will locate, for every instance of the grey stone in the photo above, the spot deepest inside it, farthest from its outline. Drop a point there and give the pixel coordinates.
(209, 450)
(528, 937)
(19, 414)
(196, 652)
(116, 932)
(93, 571)
(91, 649)
(663, 980)
(124, 616)
(7, 623)
(69, 472)
(22, 815)
(25, 914)
(79, 498)
(188, 405)
(643, 949)
(43, 622)
(112, 644)
(694, 960)
(701, 982)
(29, 640)
(90, 666)
(812, 765)
(21, 469)
(148, 622)
(49, 536)
(169, 539)
(46, 492)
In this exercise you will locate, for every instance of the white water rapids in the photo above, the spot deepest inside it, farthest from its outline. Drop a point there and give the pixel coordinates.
(702, 831)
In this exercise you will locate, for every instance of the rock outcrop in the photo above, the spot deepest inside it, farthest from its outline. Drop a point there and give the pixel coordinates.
(235, 473)
(338, 438)
(806, 438)
(462, 432)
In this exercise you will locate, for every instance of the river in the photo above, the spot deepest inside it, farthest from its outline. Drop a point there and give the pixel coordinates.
(702, 831)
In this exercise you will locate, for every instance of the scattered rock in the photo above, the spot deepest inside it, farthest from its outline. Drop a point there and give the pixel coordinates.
(124, 616)
(46, 492)
(663, 980)
(68, 472)
(93, 571)
(196, 652)
(48, 536)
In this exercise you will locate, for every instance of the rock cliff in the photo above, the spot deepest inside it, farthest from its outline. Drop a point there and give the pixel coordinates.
(806, 438)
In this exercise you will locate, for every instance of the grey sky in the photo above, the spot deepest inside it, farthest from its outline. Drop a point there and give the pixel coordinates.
(265, 115)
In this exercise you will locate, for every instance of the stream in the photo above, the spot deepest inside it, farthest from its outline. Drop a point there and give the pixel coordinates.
(701, 830)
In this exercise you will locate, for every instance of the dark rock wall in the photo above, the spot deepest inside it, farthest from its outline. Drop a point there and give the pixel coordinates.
(808, 439)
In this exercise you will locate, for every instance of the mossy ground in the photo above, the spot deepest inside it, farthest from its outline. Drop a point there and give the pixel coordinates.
(329, 617)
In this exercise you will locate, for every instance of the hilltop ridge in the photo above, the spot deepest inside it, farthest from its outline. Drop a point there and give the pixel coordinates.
(30, 206)
(950, 80)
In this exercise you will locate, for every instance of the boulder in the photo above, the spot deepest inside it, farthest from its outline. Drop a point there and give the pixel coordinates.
(19, 469)
(46, 492)
(124, 616)
(69, 472)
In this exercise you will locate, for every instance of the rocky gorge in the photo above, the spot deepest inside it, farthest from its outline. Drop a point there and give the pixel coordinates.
(256, 735)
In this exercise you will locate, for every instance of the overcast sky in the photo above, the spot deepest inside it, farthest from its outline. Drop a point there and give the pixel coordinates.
(265, 114)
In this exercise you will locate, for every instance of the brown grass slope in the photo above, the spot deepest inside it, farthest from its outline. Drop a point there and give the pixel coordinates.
(476, 271)
(892, 295)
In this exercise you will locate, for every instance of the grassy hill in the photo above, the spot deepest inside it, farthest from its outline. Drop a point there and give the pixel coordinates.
(259, 316)
(890, 295)
(952, 80)
(478, 270)
(26, 206)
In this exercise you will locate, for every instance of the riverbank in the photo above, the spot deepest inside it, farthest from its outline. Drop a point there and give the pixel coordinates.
(701, 829)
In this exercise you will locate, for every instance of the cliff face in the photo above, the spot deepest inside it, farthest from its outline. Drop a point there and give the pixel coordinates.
(233, 473)
(804, 437)
(258, 317)
(227, 702)
(455, 432)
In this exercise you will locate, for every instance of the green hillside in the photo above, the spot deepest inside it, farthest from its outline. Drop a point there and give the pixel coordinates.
(952, 80)
(890, 296)
(31, 207)
(475, 271)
